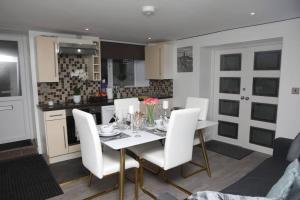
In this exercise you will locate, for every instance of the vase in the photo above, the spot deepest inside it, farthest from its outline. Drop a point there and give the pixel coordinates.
(150, 115)
(76, 99)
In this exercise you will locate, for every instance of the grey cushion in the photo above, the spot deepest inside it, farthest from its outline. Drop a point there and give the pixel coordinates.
(294, 193)
(209, 195)
(166, 196)
(282, 188)
(294, 151)
(259, 181)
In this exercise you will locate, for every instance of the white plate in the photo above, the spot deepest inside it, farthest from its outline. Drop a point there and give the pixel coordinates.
(162, 128)
(113, 133)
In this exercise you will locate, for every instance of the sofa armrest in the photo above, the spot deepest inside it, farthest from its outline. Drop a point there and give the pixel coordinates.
(281, 148)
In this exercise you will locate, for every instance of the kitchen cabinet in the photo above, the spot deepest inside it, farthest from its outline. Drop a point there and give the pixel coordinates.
(159, 61)
(56, 133)
(46, 59)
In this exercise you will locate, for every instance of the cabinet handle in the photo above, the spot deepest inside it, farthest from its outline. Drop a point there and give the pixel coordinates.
(55, 60)
(3, 108)
(247, 98)
(242, 97)
(58, 115)
(160, 62)
(64, 136)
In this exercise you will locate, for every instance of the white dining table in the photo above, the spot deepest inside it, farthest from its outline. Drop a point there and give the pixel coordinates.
(138, 138)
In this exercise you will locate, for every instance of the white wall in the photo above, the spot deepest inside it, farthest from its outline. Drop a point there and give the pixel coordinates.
(193, 84)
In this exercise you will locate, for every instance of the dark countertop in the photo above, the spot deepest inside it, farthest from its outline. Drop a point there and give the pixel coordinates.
(63, 106)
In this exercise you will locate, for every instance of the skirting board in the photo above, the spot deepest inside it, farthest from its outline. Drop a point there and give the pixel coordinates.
(63, 157)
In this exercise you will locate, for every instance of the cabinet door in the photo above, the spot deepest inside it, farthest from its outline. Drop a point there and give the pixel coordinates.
(153, 62)
(166, 60)
(56, 134)
(46, 54)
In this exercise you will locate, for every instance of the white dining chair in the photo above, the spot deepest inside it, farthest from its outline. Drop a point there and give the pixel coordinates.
(122, 106)
(180, 133)
(202, 104)
(100, 164)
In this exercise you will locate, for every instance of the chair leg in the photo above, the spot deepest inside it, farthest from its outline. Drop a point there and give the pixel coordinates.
(142, 181)
(175, 185)
(136, 185)
(108, 190)
(204, 154)
(90, 179)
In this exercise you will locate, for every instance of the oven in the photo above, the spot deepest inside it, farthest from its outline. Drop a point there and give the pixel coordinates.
(71, 129)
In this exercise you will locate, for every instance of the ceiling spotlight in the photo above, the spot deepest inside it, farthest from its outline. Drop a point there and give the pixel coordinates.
(252, 13)
(148, 10)
(86, 29)
(149, 38)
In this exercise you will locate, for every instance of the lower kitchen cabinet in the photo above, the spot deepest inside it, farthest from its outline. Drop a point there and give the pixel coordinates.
(57, 142)
(55, 137)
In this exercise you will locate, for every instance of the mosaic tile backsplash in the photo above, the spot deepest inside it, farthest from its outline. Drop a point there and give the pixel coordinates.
(62, 91)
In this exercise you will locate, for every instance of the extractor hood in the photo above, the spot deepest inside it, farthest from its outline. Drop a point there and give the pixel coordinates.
(72, 46)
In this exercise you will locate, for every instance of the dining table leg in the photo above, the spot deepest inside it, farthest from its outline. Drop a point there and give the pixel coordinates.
(122, 174)
(204, 152)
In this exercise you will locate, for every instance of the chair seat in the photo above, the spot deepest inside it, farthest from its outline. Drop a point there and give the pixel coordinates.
(111, 162)
(152, 152)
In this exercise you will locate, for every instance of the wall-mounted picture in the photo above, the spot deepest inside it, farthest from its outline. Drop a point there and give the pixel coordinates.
(185, 59)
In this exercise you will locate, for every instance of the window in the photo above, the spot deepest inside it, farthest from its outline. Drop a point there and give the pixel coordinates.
(9, 69)
(230, 85)
(231, 62)
(267, 60)
(229, 107)
(228, 129)
(124, 72)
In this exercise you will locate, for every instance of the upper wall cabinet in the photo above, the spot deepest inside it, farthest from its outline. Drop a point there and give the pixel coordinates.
(46, 59)
(158, 61)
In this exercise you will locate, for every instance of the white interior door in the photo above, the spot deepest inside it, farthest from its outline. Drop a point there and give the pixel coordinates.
(13, 121)
(246, 95)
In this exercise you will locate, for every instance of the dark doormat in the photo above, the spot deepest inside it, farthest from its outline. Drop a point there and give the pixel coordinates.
(68, 170)
(13, 145)
(27, 178)
(229, 150)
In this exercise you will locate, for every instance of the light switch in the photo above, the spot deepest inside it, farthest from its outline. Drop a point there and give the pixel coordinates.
(295, 90)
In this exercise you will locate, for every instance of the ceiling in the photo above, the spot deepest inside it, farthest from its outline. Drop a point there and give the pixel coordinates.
(123, 20)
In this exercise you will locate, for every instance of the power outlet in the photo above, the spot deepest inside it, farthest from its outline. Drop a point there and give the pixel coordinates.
(295, 90)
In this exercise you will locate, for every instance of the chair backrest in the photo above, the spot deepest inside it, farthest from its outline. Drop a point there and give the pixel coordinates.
(202, 103)
(122, 105)
(90, 145)
(180, 137)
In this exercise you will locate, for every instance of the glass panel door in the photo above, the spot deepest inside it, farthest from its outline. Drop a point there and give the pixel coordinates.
(229, 67)
(246, 97)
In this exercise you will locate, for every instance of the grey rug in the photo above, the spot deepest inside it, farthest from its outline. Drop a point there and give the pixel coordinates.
(228, 150)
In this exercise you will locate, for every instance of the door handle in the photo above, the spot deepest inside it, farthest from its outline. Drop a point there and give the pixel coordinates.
(3, 108)
(247, 98)
(64, 131)
(58, 115)
(242, 97)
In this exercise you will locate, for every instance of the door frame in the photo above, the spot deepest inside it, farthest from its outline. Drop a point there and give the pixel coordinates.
(25, 79)
(214, 104)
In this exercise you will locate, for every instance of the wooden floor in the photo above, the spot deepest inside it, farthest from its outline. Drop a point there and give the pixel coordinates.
(225, 171)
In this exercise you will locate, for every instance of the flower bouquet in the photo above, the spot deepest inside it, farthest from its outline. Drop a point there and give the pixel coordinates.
(150, 105)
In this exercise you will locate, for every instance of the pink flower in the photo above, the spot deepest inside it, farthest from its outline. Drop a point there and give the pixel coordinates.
(151, 101)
